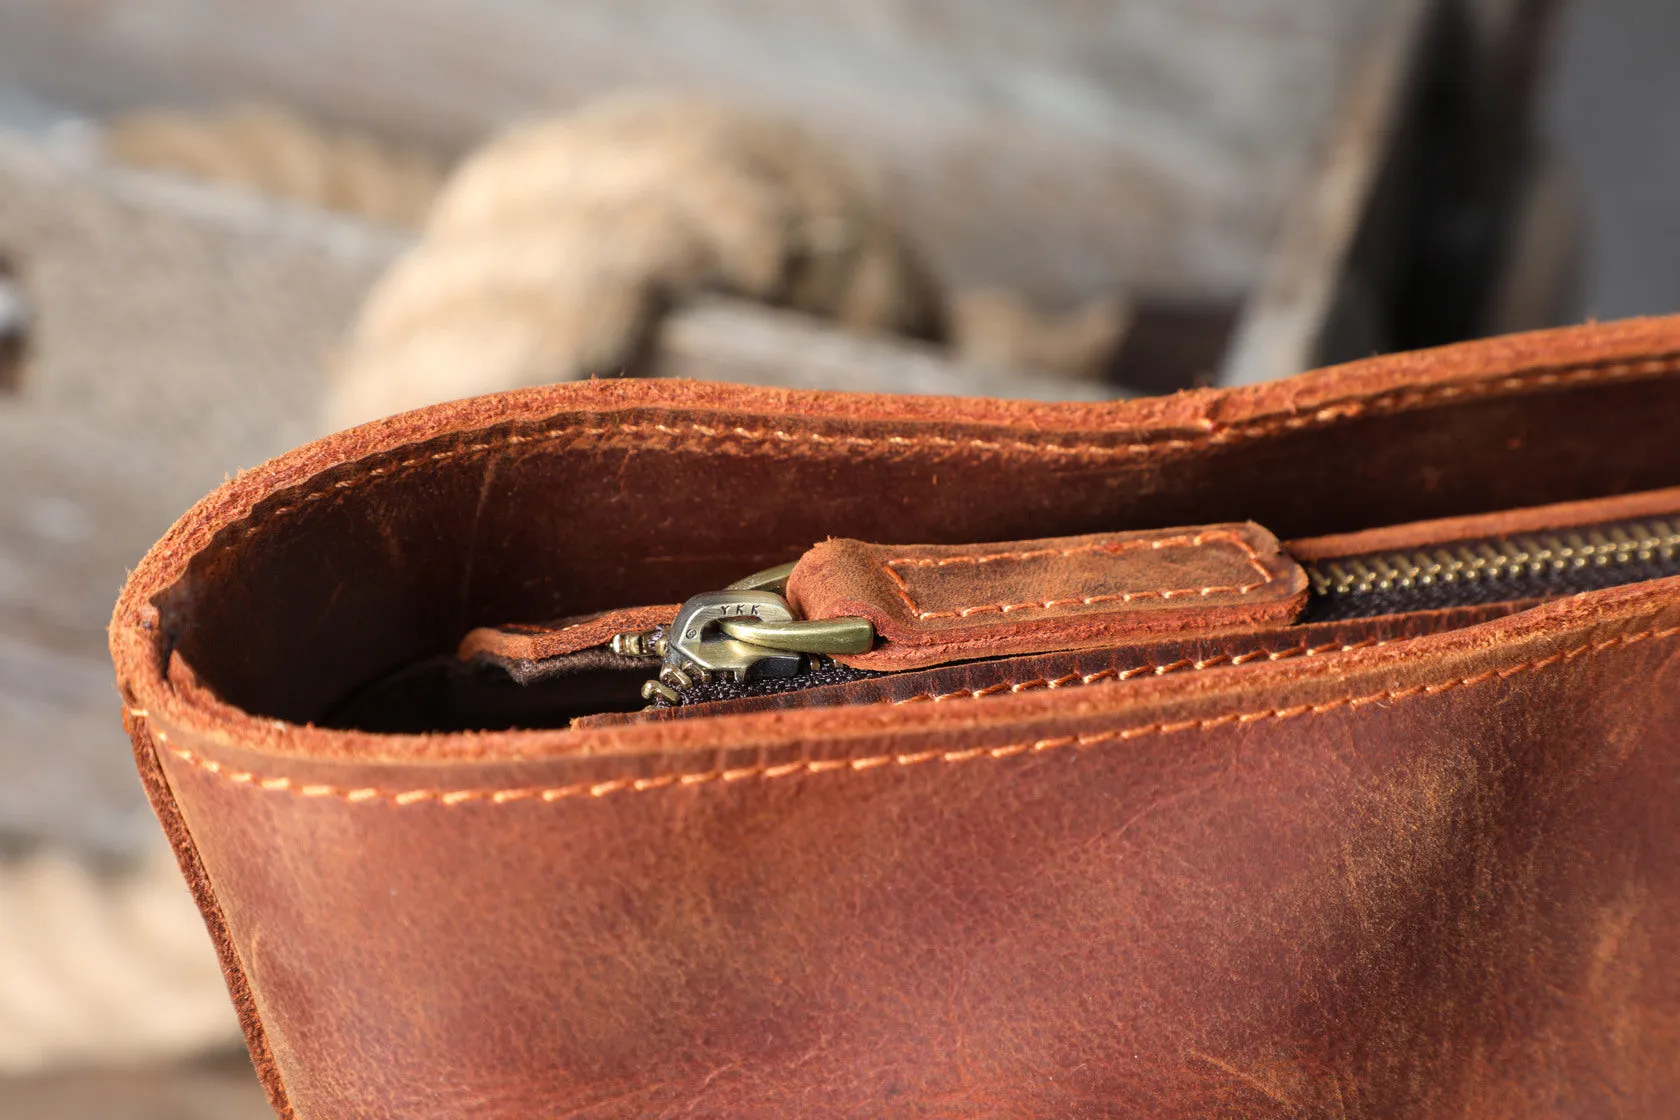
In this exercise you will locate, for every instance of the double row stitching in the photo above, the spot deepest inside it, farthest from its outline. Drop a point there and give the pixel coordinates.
(891, 566)
(1395, 401)
(767, 771)
(1113, 548)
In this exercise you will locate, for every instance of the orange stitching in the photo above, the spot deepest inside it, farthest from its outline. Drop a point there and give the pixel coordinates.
(450, 797)
(891, 566)
(1112, 547)
(1396, 400)
(1138, 671)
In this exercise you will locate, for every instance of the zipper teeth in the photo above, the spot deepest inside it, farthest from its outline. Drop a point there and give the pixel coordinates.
(1528, 556)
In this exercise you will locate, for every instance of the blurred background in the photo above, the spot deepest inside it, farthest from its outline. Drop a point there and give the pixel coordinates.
(222, 234)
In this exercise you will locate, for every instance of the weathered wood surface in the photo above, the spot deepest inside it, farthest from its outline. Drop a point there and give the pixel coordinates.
(728, 340)
(176, 335)
(1058, 147)
(1295, 295)
(1432, 215)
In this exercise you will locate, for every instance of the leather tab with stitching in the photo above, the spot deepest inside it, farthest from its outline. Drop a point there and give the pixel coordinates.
(938, 603)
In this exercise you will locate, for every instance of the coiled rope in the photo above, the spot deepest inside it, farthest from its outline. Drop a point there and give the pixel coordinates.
(552, 251)
(111, 968)
(275, 152)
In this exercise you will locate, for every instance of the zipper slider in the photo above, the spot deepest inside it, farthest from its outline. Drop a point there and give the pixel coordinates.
(746, 631)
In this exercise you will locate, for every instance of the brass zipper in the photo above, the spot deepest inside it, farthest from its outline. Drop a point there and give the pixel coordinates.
(1530, 564)
(745, 640)
(746, 632)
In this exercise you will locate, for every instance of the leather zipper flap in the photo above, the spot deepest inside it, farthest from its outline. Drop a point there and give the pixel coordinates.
(932, 604)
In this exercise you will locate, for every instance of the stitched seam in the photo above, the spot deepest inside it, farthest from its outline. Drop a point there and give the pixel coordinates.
(1397, 400)
(1074, 679)
(891, 566)
(1113, 548)
(767, 771)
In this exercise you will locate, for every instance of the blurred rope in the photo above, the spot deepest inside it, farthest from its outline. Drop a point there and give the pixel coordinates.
(112, 968)
(552, 251)
(266, 149)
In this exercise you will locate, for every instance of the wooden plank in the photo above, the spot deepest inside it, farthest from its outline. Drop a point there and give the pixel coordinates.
(1418, 212)
(728, 340)
(1281, 324)
(175, 336)
(1057, 147)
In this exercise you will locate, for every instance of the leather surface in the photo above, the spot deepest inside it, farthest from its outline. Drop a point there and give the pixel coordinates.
(513, 642)
(1383, 892)
(1432, 877)
(932, 603)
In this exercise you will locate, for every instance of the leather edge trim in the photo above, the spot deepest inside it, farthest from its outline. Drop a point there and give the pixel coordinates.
(162, 797)
(1513, 365)
(1534, 519)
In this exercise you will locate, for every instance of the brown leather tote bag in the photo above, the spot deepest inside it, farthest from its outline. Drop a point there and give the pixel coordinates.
(1310, 749)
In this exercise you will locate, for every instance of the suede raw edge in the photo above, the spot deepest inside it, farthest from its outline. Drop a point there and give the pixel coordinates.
(1444, 530)
(1634, 349)
(162, 799)
(1514, 365)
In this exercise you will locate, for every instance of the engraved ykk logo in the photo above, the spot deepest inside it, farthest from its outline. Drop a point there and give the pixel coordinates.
(726, 610)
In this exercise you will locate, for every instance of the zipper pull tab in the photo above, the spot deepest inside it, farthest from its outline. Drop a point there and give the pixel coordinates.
(746, 631)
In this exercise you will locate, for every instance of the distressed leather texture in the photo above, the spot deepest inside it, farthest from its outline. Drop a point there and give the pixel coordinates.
(1430, 877)
(936, 603)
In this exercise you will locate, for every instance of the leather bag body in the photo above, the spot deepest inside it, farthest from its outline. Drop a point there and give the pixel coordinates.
(1435, 876)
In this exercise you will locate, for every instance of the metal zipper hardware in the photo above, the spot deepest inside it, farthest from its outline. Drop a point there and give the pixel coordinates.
(746, 639)
(746, 632)
(1528, 565)
(822, 635)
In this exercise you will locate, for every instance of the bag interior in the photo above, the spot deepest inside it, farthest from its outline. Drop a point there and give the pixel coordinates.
(379, 566)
